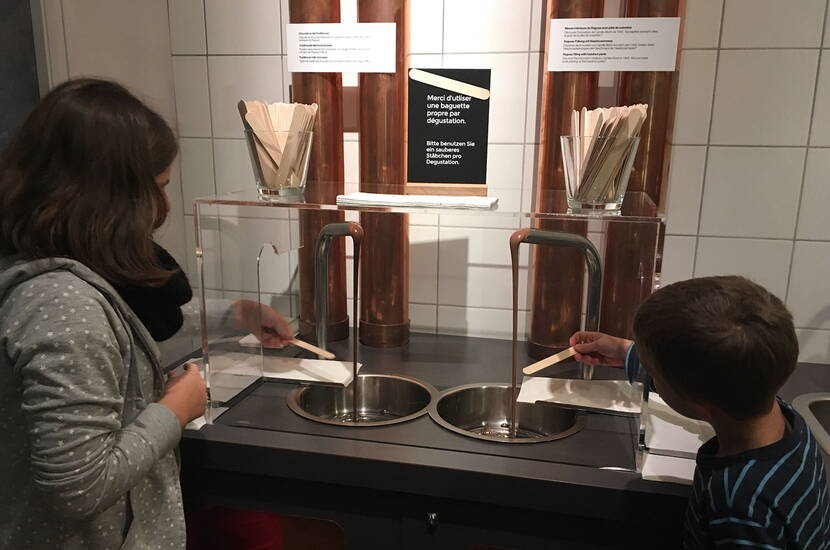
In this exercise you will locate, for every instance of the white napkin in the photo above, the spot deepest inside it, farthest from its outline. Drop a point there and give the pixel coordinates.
(668, 430)
(284, 368)
(611, 395)
(250, 341)
(668, 468)
(422, 201)
(196, 424)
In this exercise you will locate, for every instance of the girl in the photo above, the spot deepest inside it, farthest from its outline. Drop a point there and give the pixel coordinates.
(88, 420)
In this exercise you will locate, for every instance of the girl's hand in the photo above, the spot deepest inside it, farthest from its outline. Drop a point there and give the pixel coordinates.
(263, 322)
(185, 394)
(596, 348)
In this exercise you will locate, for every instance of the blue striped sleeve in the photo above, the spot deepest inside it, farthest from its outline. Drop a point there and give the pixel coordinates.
(632, 364)
(741, 533)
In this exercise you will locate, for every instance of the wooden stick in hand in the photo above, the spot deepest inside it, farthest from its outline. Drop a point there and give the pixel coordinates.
(321, 353)
(548, 361)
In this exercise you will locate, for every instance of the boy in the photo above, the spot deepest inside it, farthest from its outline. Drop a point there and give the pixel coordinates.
(718, 349)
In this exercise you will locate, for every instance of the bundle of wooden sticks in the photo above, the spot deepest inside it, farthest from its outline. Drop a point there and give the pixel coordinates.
(602, 148)
(279, 134)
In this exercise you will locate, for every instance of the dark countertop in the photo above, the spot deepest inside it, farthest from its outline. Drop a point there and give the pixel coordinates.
(259, 435)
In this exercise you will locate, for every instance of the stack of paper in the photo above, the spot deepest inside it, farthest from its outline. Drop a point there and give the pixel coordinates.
(601, 146)
(418, 201)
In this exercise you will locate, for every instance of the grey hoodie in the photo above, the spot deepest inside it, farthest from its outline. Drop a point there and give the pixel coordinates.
(86, 453)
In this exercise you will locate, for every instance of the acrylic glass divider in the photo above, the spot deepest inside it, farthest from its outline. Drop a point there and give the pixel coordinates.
(241, 254)
(233, 230)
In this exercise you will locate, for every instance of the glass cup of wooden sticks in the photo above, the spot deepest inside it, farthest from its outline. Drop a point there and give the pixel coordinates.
(597, 171)
(280, 161)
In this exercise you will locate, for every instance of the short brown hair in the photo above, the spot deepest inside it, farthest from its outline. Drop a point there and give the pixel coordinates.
(78, 181)
(725, 341)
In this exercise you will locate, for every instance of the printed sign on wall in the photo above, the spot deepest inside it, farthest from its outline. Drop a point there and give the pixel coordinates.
(341, 47)
(614, 44)
(448, 120)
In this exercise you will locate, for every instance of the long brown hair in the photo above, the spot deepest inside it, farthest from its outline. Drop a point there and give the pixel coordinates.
(78, 181)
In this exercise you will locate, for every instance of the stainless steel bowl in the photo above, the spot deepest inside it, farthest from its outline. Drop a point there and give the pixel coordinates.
(383, 399)
(482, 411)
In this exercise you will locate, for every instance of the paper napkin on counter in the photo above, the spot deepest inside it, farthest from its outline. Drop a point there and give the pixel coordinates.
(283, 368)
(611, 395)
(668, 468)
(418, 201)
(671, 432)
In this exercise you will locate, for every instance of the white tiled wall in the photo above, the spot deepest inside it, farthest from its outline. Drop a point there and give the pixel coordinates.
(128, 42)
(749, 177)
(460, 275)
(749, 185)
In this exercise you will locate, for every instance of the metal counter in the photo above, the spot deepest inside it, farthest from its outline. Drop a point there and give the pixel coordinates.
(417, 485)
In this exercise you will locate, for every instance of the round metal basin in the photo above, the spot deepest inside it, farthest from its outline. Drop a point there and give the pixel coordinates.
(383, 399)
(482, 411)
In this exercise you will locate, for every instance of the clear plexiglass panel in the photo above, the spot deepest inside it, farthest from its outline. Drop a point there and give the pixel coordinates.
(459, 273)
(243, 259)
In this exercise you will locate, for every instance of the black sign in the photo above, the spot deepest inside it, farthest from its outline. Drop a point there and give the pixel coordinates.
(448, 118)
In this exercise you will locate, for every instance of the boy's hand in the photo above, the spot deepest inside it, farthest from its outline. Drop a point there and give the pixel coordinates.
(596, 348)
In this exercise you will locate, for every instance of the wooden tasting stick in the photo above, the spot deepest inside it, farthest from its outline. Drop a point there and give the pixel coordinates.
(548, 361)
(321, 353)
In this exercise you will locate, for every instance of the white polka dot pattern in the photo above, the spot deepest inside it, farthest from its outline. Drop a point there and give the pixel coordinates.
(82, 438)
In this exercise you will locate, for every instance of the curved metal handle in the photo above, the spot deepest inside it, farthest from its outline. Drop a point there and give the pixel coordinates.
(321, 270)
(592, 259)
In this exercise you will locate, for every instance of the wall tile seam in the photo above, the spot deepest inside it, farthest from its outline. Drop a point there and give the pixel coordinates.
(806, 153)
(708, 139)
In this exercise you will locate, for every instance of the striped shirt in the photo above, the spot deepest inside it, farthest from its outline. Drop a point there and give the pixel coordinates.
(774, 497)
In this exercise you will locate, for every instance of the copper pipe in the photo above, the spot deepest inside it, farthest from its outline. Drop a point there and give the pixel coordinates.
(630, 257)
(558, 274)
(384, 286)
(631, 249)
(325, 179)
(657, 90)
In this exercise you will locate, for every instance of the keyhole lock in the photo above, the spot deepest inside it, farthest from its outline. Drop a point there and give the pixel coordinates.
(432, 521)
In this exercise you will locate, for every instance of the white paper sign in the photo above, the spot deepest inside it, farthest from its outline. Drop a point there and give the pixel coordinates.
(613, 44)
(341, 47)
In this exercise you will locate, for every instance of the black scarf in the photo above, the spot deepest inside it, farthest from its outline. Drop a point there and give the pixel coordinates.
(159, 308)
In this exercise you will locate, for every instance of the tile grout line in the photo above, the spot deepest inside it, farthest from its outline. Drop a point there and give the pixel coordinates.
(65, 41)
(231, 54)
(293, 225)
(527, 108)
(708, 139)
(736, 146)
(746, 238)
(758, 48)
(443, 28)
(806, 154)
(176, 111)
(212, 140)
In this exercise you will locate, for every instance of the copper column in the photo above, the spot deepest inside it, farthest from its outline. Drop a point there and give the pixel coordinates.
(384, 285)
(657, 89)
(558, 274)
(631, 247)
(325, 178)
